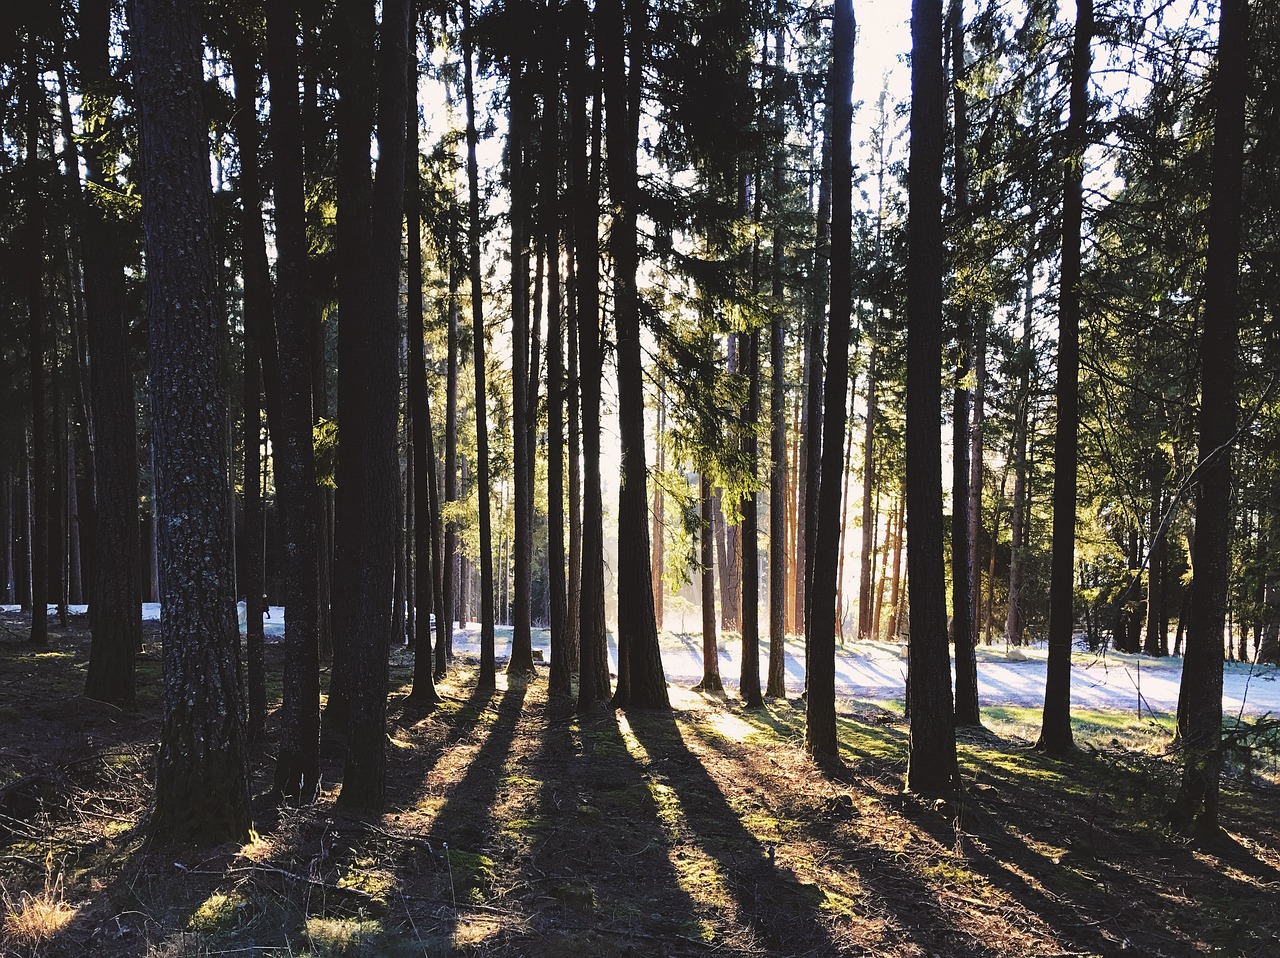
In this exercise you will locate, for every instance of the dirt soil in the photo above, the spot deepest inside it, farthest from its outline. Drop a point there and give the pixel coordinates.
(519, 828)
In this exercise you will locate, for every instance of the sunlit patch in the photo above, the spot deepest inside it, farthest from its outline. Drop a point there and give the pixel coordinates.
(730, 726)
(257, 849)
(217, 913)
(475, 930)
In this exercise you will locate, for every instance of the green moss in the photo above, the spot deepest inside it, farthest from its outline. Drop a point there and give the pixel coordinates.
(218, 914)
(361, 938)
(472, 874)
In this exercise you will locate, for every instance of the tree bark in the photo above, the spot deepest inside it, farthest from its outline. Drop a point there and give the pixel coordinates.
(931, 762)
(371, 426)
(1055, 732)
(1200, 718)
(117, 589)
(711, 681)
(642, 682)
(593, 669)
(820, 715)
(201, 791)
(428, 581)
(962, 591)
(257, 323)
(487, 677)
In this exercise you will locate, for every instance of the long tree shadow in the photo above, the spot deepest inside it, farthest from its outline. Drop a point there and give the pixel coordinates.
(592, 861)
(776, 908)
(1066, 865)
(461, 834)
(887, 896)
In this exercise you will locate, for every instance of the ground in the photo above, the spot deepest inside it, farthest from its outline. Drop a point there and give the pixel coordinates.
(518, 828)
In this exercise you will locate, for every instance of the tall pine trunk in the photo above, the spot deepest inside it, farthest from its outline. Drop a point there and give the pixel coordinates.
(1200, 713)
(931, 762)
(487, 678)
(641, 680)
(1055, 731)
(201, 786)
(820, 627)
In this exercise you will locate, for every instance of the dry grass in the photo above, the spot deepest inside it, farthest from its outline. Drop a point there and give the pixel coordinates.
(32, 919)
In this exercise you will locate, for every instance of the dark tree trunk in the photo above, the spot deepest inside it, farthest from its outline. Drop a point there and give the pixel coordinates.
(931, 763)
(257, 323)
(487, 678)
(776, 685)
(593, 672)
(373, 420)
(117, 589)
(355, 109)
(641, 680)
(1017, 522)
(820, 719)
(1200, 717)
(572, 630)
(866, 626)
(1155, 562)
(711, 681)
(749, 676)
(811, 418)
(1055, 732)
(298, 760)
(962, 591)
(523, 409)
(428, 582)
(34, 242)
(448, 570)
(561, 649)
(201, 789)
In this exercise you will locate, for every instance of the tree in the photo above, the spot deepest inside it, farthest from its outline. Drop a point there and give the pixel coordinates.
(1200, 714)
(820, 625)
(201, 790)
(371, 426)
(298, 760)
(117, 591)
(488, 678)
(34, 242)
(1055, 732)
(931, 764)
(963, 594)
(641, 680)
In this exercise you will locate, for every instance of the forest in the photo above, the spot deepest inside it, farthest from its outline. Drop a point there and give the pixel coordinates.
(401, 400)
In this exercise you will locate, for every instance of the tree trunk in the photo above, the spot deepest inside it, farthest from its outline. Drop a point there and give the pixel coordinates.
(593, 669)
(641, 680)
(660, 465)
(776, 686)
(962, 592)
(1200, 718)
(428, 581)
(711, 681)
(450, 564)
(749, 676)
(355, 109)
(518, 138)
(561, 649)
(373, 421)
(34, 242)
(1017, 522)
(487, 676)
(201, 791)
(257, 321)
(297, 775)
(572, 631)
(867, 554)
(820, 715)
(1155, 561)
(1055, 732)
(931, 763)
(117, 588)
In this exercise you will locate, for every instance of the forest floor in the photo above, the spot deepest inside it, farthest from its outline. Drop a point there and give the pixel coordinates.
(516, 827)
